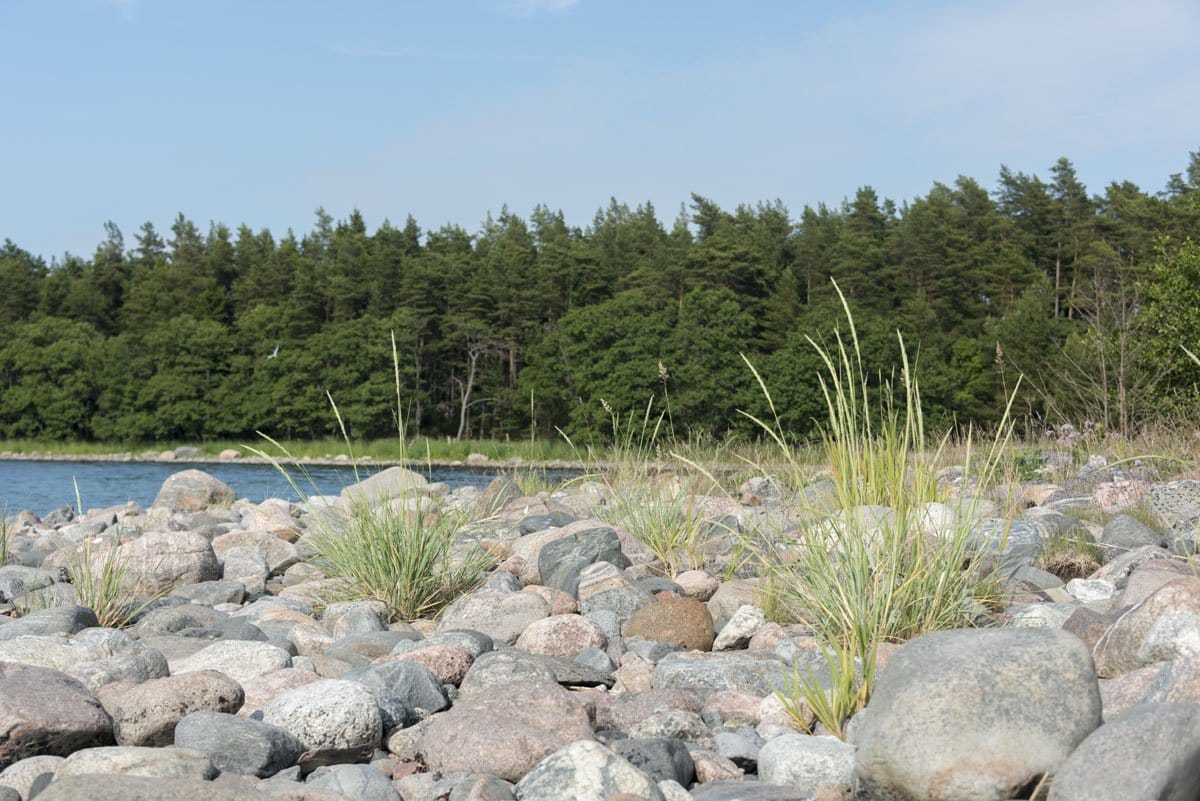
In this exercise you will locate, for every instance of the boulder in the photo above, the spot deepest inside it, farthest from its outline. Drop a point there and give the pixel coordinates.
(335, 721)
(586, 771)
(505, 730)
(240, 660)
(193, 491)
(43, 711)
(500, 614)
(974, 714)
(682, 622)
(806, 762)
(753, 672)
(1149, 751)
(147, 713)
(394, 482)
(661, 759)
(603, 586)
(162, 560)
(47, 622)
(561, 635)
(137, 788)
(1163, 626)
(129, 760)
(560, 562)
(238, 745)
(359, 782)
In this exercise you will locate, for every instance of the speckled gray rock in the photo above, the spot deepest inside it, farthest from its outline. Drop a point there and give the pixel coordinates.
(134, 661)
(1176, 502)
(660, 758)
(1163, 626)
(128, 760)
(138, 788)
(754, 672)
(147, 714)
(500, 614)
(736, 634)
(360, 782)
(410, 681)
(747, 791)
(237, 744)
(808, 763)
(585, 771)
(162, 560)
(603, 586)
(974, 714)
(1149, 751)
(46, 622)
(336, 721)
(504, 731)
(212, 593)
(482, 787)
(560, 562)
(1123, 534)
(43, 711)
(33, 771)
(498, 668)
(394, 482)
(1009, 544)
(240, 660)
(677, 724)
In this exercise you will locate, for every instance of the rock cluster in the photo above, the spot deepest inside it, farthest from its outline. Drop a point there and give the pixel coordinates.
(576, 670)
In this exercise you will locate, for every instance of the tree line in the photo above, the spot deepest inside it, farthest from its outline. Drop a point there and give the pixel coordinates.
(530, 324)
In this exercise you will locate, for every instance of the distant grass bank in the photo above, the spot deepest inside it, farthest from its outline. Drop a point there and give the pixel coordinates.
(381, 450)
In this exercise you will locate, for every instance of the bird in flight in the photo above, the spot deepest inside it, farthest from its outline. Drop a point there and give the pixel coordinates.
(274, 353)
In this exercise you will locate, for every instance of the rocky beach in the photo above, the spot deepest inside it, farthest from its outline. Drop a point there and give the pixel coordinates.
(581, 666)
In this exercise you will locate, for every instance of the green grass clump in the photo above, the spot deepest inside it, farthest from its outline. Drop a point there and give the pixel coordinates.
(102, 584)
(402, 558)
(858, 586)
(1070, 557)
(388, 552)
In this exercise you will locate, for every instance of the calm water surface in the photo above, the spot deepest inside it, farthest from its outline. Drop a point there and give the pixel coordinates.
(44, 486)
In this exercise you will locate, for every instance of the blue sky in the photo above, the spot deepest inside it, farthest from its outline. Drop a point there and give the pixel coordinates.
(238, 111)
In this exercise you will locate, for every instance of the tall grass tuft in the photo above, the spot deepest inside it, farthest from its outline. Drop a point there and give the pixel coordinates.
(388, 552)
(859, 581)
(102, 584)
(397, 556)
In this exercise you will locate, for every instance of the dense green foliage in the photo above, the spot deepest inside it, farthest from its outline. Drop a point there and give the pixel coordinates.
(531, 324)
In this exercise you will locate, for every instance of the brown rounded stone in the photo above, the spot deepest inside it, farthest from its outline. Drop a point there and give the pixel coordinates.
(683, 622)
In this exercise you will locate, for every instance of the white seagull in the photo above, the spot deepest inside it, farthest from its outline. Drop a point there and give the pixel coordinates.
(274, 353)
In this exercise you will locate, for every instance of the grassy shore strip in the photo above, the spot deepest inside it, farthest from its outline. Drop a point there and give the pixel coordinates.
(332, 451)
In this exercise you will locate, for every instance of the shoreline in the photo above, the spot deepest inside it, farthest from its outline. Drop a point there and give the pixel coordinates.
(515, 463)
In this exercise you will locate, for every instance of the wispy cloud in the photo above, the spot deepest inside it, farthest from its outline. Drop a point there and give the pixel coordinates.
(531, 8)
(371, 49)
(126, 8)
(893, 99)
